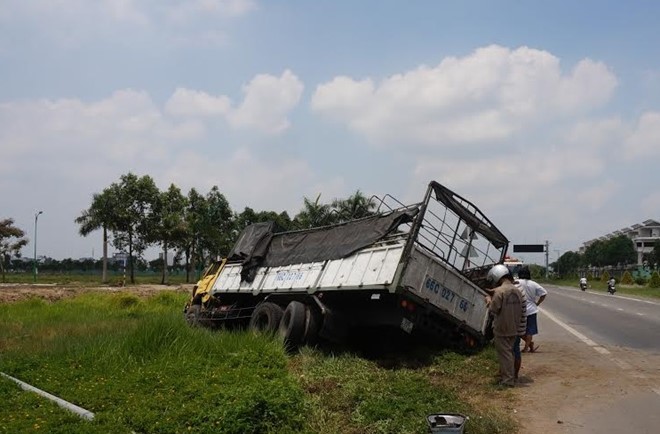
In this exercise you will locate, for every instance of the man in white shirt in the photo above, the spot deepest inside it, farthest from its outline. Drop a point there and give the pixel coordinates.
(534, 295)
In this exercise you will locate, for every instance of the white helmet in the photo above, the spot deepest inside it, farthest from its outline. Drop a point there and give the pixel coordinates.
(497, 272)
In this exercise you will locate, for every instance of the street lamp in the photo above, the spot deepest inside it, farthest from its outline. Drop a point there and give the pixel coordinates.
(34, 268)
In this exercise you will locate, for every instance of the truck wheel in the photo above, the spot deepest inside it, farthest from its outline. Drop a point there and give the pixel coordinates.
(313, 322)
(266, 317)
(192, 314)
(292, 325)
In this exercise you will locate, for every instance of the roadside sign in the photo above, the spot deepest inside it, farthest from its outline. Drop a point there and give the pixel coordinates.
(529, 248)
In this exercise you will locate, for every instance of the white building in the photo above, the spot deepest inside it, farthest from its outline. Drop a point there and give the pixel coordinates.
(644, 236)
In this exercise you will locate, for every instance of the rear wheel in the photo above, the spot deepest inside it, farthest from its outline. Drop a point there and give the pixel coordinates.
(266, 317)
(292, 325)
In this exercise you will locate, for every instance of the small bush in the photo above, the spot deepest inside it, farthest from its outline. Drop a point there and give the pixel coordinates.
(627, 279)
(654, 282)
(605, 276)
(640, 281)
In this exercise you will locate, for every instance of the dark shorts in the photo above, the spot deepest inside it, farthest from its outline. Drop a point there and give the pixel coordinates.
(516, 348)
(532, 327)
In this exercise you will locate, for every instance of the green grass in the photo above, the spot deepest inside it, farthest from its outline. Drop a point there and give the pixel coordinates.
(137, 365)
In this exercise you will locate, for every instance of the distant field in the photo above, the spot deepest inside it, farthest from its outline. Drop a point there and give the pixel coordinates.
(135, 363)
(94, 278)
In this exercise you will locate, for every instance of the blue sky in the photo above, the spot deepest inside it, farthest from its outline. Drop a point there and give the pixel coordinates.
(545, 115)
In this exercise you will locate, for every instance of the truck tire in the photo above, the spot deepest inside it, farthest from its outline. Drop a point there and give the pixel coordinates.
(313, 322)
(266, 317)
(292, 325)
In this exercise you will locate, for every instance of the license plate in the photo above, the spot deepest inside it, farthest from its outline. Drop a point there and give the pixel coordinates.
(406, 325)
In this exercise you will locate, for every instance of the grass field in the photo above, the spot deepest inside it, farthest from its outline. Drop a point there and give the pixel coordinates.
(94, 278)
(137, 365)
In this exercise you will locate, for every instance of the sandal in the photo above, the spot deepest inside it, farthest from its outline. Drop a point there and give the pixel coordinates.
(534, 348)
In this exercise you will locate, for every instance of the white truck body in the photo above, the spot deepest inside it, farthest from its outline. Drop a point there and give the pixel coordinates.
(371, 269)
(438, 262)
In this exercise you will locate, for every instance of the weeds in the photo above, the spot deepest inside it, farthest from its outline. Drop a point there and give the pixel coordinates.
(136, 364)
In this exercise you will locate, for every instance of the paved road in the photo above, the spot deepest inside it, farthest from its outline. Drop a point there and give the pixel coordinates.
(598, 369)
(608, 319)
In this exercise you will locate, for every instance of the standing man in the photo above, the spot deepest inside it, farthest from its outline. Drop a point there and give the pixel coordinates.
(534, 294)
(508, 308)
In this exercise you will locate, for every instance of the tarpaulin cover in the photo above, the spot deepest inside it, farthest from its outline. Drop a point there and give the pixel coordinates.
(259, 246)
(482, 226)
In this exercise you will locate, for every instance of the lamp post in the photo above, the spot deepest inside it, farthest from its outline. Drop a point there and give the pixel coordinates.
(34, 268)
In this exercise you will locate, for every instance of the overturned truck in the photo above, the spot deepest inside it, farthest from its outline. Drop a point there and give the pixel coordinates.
(421, 268)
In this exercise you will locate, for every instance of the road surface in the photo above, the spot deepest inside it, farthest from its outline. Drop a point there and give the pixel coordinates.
(598, 366)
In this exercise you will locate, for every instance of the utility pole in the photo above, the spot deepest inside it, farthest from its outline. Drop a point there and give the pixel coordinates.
(34, 264)
(547, 256)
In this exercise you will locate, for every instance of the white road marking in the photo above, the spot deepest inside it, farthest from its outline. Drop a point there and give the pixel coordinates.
(576, 333)
(618, 308)
(600, 349)
(640, 314)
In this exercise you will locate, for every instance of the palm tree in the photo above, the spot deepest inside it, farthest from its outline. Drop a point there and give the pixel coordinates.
(314, 214)
(100, 215)
(354, 207)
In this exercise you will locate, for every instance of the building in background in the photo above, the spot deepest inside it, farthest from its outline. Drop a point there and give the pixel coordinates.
(644, 235)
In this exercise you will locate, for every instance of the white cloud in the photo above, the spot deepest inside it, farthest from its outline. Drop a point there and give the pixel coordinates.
(186, 102)
(270, 186)
(487, 95)
(266, 105)
(268, 100)
(594, 198)
(644, 142)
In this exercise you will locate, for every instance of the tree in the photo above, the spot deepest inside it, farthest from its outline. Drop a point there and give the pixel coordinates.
(654, 282)
(100, 215)
(135, 220)
(314, 214)
(654, 256)
(217, 221)
(169, 227)
(248, 216)
(619, 250)
(614, 251)
(11, 242)
(593, 254)
(627, 278)
(568, 263)
(354, 207)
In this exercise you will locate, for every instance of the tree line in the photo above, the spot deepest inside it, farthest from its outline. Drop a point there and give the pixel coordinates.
(614, 252)
(134, 215)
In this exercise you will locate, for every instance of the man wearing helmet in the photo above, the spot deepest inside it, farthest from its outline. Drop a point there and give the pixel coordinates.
(508, 307)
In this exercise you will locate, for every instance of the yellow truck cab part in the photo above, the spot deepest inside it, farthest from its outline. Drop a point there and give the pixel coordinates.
(205, 284)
